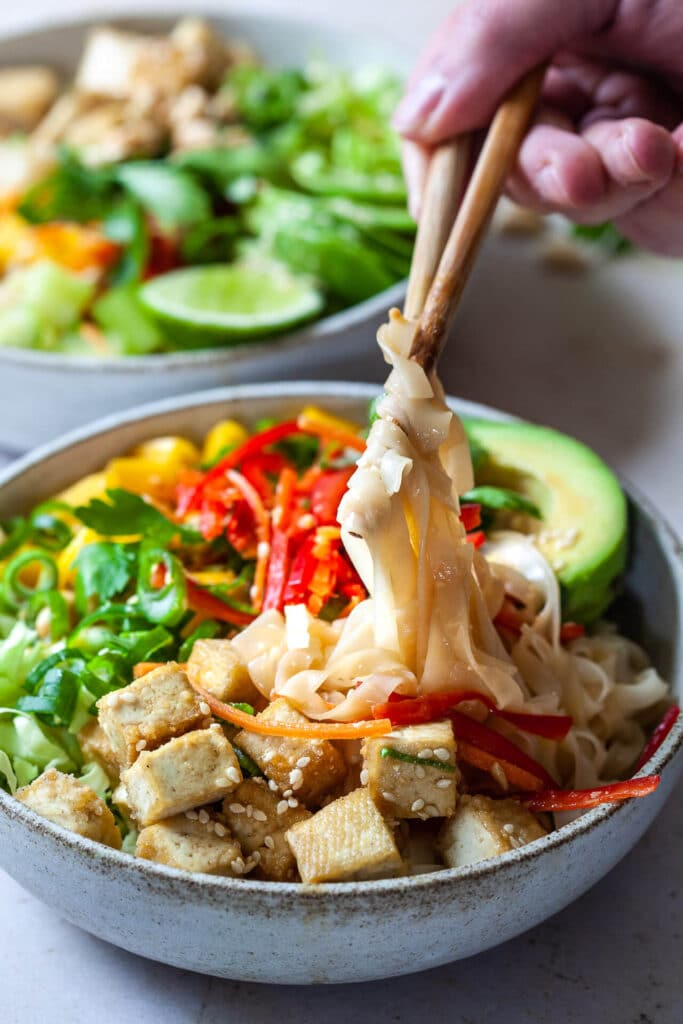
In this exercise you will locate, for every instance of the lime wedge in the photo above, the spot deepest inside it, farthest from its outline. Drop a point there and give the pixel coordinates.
(224, 304)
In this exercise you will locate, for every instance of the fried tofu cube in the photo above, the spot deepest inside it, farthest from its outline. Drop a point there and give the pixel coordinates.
(414, 788)
(259, 818)
(109, 60)
(96, 746)
(188, 771)
(349, 839)
(483, 828)
(25, 95)
(216, 666)
(192, 844)
(65, 801)
(309, 768)
(155, 708)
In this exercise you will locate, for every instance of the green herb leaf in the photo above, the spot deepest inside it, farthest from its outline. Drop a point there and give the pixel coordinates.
(170, 195)
(127, 514)
(501, 499)
(125, 224)
(104, 569)
(72, 191)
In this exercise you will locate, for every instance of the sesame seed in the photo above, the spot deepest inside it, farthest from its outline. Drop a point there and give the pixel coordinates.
(237, 808)
(389, 797)
(203, 817)
(259, 815)
(432, 810)
(442, 754)
(303, 762)
(420, 772)
(427, 752)
(192, 815)
(268, 756)
(499, 775)
(210, 826)
(282, 807)
(140, 745)
(215, 727)
(273, 786)
(269, 842)
(263, 549)
(417, 805)
(296, 775)
(364, 776)
(220, 830)
(293, 802)
(204, 708)
(250, 810)
(509, 829)
(233, 774)
(128, 698)
(255, 858)
(287, 793)
(99, 810)
(443, 783)
(237, 866)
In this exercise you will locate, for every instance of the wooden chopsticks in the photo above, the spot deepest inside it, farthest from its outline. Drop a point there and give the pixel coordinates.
(436, 306)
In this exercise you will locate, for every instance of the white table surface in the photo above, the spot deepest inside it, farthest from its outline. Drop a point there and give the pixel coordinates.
(613, 376)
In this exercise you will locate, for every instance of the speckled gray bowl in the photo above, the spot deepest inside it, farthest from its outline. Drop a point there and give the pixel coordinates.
(286, 933)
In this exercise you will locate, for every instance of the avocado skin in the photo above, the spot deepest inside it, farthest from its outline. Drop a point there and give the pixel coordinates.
(589, 578)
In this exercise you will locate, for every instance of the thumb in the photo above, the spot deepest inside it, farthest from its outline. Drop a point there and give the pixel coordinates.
(481, 50)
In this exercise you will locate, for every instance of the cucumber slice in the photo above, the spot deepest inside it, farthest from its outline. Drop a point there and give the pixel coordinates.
(224, 304)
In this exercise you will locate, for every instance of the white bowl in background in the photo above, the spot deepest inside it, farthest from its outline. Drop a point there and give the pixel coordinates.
(293, 934)
(42, 394)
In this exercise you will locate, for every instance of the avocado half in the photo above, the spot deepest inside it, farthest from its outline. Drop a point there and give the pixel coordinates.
(584, 528)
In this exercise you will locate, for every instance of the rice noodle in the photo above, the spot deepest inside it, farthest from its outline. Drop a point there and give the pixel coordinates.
(428, 623)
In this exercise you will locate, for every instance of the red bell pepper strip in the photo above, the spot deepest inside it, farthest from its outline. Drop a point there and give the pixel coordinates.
(262, 524)
(303, 567)
(202, 601)
(470, 516)
(571, 631)
(252, 446)
(411, 711)
(659, 735)
(327, 492)
(278, 566)
(579, 799)
(503, 750)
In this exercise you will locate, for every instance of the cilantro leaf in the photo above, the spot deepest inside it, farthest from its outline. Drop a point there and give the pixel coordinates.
(104, 570)
(127, 514)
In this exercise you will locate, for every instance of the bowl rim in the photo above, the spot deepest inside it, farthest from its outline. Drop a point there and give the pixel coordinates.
(201, 358)
(218, 886)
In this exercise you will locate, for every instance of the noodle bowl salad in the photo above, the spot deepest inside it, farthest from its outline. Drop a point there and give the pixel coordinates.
(312, 651)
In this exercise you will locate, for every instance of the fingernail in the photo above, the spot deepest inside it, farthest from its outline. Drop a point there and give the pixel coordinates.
(421, 99)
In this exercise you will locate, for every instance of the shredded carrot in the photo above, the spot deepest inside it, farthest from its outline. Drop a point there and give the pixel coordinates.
(328, 432)
(304, 731)
(517, 777)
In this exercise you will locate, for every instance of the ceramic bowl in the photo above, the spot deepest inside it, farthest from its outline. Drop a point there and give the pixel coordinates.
(33, 384)
(286, 933)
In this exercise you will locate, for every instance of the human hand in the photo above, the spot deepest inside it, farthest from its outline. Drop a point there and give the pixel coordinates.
(607, 143)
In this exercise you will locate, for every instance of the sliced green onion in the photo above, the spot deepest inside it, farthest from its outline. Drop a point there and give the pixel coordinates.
(242, 706)
(206, 630)
(56, 604)
(165, 604)
(67, 656)
(142, 645)
(47, 577)
(425, 762)
(248, 766)
(56, 698)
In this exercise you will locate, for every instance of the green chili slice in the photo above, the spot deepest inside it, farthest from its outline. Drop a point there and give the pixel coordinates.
(165, 604)
(48, 528)
(47, 577)
(14, 532)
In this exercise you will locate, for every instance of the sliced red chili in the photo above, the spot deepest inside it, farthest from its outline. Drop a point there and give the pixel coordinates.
(480, 736)
(470, 516)
(659, 735)
(580, 799)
